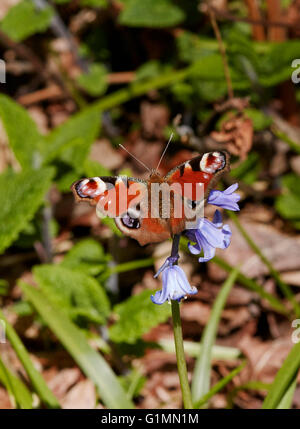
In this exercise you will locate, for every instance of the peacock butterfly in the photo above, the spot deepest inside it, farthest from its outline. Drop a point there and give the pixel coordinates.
(155, 209)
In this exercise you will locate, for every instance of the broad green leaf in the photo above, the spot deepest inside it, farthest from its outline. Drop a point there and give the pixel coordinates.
(288, 203)
(136, 316)
(202, 372)
(288, 206)
(94, 3)
(72, 140)
(20, 197)
(275, 66)
(74, 292)
(87, 256)
(151, 13)
(23, 135)
(95, 80)
(91, 362)
(283, 379)
(25, 19)
(37, 381)
(15, 387)
(192, 47)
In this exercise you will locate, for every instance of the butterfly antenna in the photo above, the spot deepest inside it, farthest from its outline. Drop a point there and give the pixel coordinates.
(163, 154)
(138, 160)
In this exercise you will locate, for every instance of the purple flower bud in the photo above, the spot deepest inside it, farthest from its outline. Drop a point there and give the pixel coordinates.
(175, 285)
(208, 236)
(226, 199)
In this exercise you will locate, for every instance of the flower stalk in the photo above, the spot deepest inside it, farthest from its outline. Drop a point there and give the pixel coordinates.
(180, 357)
(178, 339)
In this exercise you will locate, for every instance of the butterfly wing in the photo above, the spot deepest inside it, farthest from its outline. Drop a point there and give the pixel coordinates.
(125, 200)
(194, 179)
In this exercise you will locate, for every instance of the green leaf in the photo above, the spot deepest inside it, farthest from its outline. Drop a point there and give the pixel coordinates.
(259, 119)
(23, 135)
(284, 378)
(93, 168)
(136, 316)
(87, 256)
(288, 203)
(95, 80)
(15, 387)
(194, 349)
(192, 48)
(275, 66)
(34, 375)
(91, 362)
(74, 292)
(94, 3)
(72, 140)
(287, 399)
(24, 20)
(202, 372)
(151, 13)
(20, 197)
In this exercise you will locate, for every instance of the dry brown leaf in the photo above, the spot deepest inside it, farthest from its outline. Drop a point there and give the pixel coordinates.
(281, 250)
(81, 396)
(5, 403)
(63, 381)
(236, 134)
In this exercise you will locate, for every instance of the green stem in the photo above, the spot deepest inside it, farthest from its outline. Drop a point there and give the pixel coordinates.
(181, 364)
(141, 87)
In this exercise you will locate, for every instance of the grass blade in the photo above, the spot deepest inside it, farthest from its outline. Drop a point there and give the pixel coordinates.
(283, 380)
(91, 362)
(193, 349)
(39, 384)
(287, 399)
(201, 377)
(219, 386)
(16, 388)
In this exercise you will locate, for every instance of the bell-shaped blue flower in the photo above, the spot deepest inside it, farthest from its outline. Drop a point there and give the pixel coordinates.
(175, 284)
(227, 199)
(208, 237)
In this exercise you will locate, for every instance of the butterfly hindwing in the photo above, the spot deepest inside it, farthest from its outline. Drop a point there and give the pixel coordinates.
(125, 200)
(194, 179)
(132, 202)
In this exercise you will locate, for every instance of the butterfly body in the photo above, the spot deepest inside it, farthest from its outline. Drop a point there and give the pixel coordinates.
(155, 209)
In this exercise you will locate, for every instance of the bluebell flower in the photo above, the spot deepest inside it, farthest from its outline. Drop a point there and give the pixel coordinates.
(175, 284)
(226, 199)
(208, 236)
